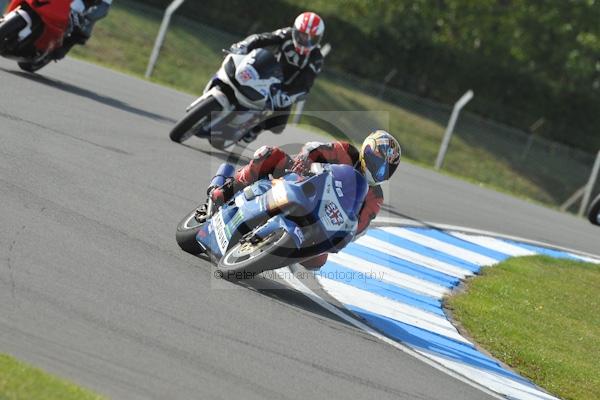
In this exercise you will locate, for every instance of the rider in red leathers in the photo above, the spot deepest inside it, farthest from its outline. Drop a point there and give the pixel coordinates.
(377, 159)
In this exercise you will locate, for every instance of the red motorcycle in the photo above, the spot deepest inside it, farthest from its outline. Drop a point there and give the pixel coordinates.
(32, 29)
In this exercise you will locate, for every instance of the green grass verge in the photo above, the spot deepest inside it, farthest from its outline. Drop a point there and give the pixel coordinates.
(192, 54)
(19, 381)
(540, 316)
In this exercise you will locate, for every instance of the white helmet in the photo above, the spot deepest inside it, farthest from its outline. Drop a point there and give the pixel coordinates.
(307, 32)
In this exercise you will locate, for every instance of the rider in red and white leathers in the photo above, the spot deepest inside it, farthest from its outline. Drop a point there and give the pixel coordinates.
(377, 159)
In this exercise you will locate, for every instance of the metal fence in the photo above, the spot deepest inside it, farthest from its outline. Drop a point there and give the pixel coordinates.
(481, 150)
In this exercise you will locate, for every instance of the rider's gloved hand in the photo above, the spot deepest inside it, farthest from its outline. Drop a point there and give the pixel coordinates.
(301, 165)
(239, 48)
(281, 100)
(221, 195)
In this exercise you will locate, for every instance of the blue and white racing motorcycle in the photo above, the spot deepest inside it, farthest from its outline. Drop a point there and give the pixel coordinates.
(276, 222)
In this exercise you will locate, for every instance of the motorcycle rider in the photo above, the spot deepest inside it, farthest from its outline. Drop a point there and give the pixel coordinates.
(84, 15)
(377, 160)
(298, 52)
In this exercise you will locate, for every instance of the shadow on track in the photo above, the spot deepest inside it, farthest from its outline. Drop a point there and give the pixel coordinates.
(231, 158)
(109, 101)
(387, 208)
(281, 292)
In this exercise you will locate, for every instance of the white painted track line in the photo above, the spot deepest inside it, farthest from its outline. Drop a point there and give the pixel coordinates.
(495, 244)
(389, 275)
(435, 244)
(289, 278)
(414, 257)
(379, 305)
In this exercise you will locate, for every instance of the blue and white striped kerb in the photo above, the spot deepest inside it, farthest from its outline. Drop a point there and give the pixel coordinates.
(395, 278)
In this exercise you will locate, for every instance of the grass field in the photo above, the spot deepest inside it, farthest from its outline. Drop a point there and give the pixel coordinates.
(540, 316)
(192, 54)
(18, 381)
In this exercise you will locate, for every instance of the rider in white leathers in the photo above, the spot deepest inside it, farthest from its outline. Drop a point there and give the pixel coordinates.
(84, 15)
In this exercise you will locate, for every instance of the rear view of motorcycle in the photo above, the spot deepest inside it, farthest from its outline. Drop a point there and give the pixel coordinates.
(237, 99)
(32, 30)
(275, 223)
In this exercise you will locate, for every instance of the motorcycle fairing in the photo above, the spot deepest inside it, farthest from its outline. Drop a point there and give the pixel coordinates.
(55, 17)
(325, 199)
(247, 75)
(231, 222)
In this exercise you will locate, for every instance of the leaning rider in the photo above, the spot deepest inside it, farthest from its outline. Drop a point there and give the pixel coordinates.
(84, 15)
(298, 52)
(377, 159)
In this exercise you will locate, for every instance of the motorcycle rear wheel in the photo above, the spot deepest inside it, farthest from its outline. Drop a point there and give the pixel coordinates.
(594, 211)
(34, 66)
(246, 260)
(185, 127)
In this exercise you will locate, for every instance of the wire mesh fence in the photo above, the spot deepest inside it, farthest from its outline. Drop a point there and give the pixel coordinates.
(483, 151)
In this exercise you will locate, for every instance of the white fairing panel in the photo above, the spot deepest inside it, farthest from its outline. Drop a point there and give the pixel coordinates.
(331, 213)
(25, 32)
(219, 228)
(247, 75)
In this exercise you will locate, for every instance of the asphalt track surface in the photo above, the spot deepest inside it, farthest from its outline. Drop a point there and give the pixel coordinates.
(94, 288)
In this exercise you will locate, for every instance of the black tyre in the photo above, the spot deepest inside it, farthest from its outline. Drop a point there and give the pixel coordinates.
(244, 260)
(594, 211)
(9, 30)
(34, 66)
(186, 234)
(201, 111)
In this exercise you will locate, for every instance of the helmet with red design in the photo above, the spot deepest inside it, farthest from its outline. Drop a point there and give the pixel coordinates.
(307, 32)
(379, 157)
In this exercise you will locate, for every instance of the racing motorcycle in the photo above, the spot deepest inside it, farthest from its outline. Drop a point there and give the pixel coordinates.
(32, 30)
(594, 211)
(237, 98)
(276, 222)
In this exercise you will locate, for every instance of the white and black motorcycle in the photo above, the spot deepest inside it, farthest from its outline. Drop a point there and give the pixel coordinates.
(237, 99)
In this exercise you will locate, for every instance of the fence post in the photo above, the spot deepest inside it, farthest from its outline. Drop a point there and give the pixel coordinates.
(590, 186)
(450, 128)
(532, 131)
(160, 38)
(573, 199)
(385, 82)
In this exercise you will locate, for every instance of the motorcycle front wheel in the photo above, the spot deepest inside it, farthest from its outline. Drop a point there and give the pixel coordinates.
(186, 127)
(186, 234)
(594, 211)
(34, 66)
(248, 259)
